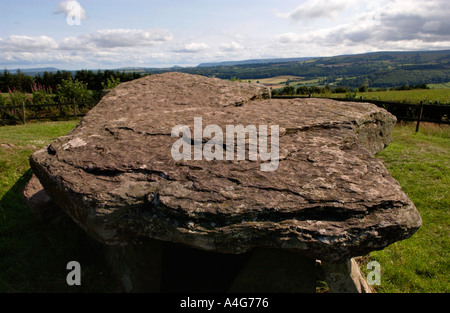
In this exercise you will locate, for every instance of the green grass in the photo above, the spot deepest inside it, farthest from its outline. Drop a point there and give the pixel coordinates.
(33, 254)
(307, 83)
(428, 96)
(275, 82)
(439, 86)
(421, 164)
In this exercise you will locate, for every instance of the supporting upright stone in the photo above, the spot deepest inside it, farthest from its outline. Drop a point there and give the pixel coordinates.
(345, 277)
(276, 270)
(41, 205)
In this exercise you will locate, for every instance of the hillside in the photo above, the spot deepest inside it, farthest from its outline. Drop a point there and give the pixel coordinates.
(35, 71)
(254, 61)
(379, 69)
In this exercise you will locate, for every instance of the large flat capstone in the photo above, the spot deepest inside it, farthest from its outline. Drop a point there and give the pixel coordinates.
(329, 197)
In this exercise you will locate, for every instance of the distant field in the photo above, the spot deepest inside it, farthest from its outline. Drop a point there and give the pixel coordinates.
(276, 82)
(280, 81)
(440, 86)
(307, 83)
(428, 96)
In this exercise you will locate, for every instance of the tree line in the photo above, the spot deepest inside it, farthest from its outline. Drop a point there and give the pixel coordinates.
(327, 89)
(41, 92)
(94, 81)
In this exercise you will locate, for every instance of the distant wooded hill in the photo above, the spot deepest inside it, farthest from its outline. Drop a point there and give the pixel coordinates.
(378, 69)
(253, 61)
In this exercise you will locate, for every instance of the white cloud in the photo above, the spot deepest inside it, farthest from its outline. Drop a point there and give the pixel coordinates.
(112, 38)
(192, 47)
(314, 9)
(72, 9)
(28, 44)
(76, 43)
(116, 38)
(111, 46)
(231, 47)
(287, 38)
(413, 24)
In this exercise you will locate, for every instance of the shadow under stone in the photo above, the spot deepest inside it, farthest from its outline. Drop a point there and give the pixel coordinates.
(186, 269)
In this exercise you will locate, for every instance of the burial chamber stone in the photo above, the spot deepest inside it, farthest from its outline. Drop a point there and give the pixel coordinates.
(328, 199)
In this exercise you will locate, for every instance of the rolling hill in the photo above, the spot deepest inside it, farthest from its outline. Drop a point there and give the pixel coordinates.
(378, 69)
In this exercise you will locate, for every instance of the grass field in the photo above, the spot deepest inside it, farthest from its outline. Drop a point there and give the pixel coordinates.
(275, 82)
(428, 96)
(421, 164)
(306, 83)
(34, 255)
(439, 86)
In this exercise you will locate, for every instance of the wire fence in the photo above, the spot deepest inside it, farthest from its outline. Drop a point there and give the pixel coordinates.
(421, 112)
(10, 115)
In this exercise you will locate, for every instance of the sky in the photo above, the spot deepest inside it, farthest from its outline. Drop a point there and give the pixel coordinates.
(109, 34)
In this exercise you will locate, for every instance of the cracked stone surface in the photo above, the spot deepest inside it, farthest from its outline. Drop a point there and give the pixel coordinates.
(329, 199)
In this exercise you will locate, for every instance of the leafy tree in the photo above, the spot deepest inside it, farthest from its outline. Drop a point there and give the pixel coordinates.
(341, 89)
(362, 88)
(6, 81)
(111, 83)
(422, 86)
(288, 90)
(302, 90)
(88, 77)
(351, 95)
(73, 91)
(314, 89)
(327, 89)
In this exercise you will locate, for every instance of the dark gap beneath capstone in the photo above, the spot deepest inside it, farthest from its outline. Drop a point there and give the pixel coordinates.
(187, 269)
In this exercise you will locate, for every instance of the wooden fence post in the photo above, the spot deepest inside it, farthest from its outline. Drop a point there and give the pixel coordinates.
(24, 119)
(420, 116)
(75, 109)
